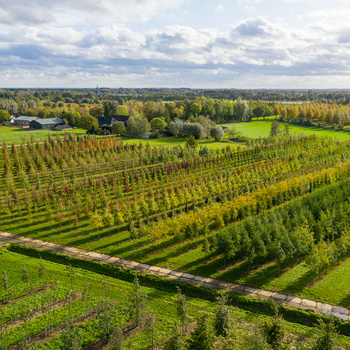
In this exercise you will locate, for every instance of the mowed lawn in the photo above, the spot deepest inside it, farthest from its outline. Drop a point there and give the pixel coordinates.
(9, 133)
(257, 129)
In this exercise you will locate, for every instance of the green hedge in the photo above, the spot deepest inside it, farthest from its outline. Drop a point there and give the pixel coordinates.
(264, 307)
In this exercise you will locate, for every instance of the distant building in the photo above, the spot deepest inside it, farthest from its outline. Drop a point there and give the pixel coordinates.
(111, 120)
(45, 123)
(120, 118)
(104, 121)
(63, 127)
(23, 121)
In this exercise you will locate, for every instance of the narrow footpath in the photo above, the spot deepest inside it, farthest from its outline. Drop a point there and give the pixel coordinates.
(285, 299)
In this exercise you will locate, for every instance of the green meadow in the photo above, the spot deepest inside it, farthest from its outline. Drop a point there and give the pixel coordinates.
(9, 133)
(261, 129)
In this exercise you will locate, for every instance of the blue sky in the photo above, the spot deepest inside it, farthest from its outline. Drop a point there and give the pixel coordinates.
(175, 43)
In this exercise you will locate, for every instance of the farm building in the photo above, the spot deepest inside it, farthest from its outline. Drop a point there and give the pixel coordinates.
(111, 120)
(104, 121)
(23, 120)
(45, 123)
(120, 118)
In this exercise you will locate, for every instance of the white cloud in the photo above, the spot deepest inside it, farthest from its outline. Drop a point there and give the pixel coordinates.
(42, 48)
(43, 12)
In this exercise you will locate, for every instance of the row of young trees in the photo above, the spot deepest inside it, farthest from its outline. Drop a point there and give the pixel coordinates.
(315, 225)
(42, 310)
(145, 192)
(222, 332)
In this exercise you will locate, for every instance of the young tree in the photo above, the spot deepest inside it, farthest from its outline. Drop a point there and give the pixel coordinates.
(176, 341)
(42, 269)
(202, 337)
(256, 341)
(25, 275)
(181, 306)
(191, 142)
(222, 321)
(275, 129)
(105, 322)
(326, 337)
(96, 220)
(273, 330)
(108, 219)
(28, 345)
(150, 327)
(70, 274)
(4, 282)
(116, 340)
(71, 337)
(137, 304)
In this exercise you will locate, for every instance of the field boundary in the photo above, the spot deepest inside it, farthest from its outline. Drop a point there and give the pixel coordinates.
(39, 247)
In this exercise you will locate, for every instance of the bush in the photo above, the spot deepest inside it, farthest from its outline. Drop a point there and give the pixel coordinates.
(217, 133)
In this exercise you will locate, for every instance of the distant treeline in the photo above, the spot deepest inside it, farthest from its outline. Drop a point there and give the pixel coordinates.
(93, 96)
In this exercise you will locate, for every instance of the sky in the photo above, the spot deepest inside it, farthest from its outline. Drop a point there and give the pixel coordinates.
(242, 44)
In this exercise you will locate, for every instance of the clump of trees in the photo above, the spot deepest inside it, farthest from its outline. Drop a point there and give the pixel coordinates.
(137, 126)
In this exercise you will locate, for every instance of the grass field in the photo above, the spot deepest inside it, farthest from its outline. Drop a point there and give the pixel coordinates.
(9, 133)
(257, 129)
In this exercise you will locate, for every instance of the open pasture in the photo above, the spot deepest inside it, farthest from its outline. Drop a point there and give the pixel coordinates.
(261, 129)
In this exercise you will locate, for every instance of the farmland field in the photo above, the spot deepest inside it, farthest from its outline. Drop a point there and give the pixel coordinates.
(273, 215)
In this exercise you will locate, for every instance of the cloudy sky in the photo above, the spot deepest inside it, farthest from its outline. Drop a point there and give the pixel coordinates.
(175, 43)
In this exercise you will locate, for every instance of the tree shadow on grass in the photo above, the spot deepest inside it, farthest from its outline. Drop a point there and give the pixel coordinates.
(121, 250)
(271, 271)
(345, 301)
(297, 285)
(182, 249)
(150, 247)
(199, 268)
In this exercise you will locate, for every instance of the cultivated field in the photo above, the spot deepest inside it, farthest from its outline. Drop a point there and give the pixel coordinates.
(274, 216)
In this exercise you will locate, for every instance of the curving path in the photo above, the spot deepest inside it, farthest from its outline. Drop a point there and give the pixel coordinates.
(285, 299)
